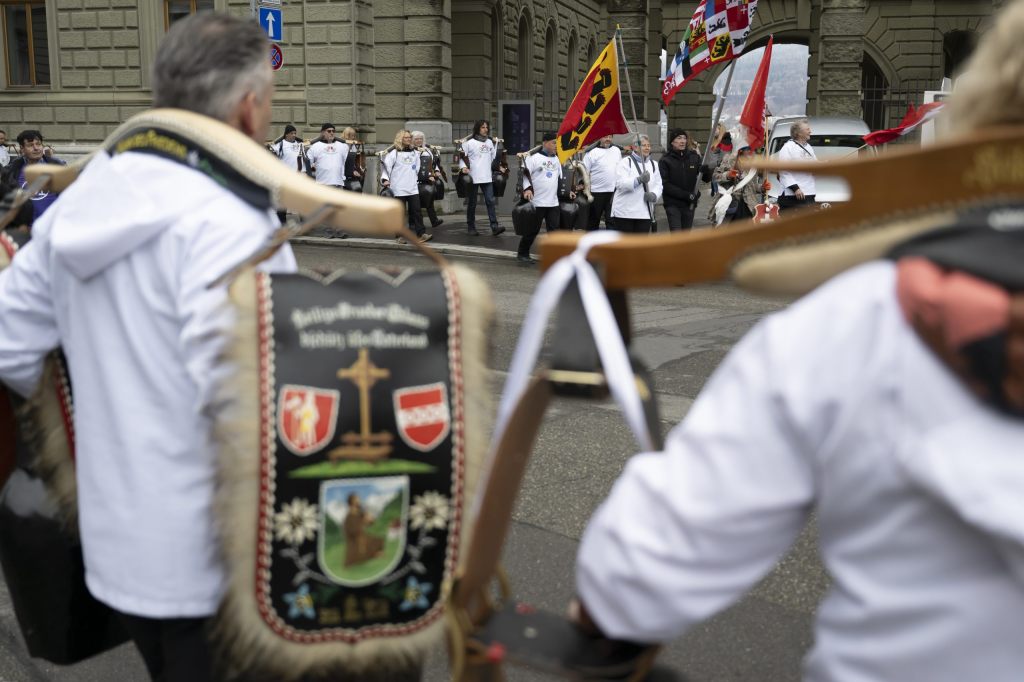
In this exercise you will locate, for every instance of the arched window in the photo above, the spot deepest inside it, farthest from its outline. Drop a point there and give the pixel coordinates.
(591, 54)
(551, 89)
(574, 64)
(525, 55)
(874, 94)
(957, 46)
(497, 53)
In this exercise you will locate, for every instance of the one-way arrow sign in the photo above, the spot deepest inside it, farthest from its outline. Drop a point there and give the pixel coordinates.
(270, 20)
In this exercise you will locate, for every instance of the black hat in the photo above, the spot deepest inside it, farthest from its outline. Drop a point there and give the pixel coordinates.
(289, 129)
(676, 132)
(549, 136)
(326, 126)
(727, 137)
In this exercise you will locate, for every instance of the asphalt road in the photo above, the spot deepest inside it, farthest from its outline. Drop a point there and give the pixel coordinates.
(682, 334)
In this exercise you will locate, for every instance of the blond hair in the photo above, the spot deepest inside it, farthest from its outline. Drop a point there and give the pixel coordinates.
(349, 133)
(398, 138)
(991, 91)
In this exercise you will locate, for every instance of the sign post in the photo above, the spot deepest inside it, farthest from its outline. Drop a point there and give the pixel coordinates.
(270, 20)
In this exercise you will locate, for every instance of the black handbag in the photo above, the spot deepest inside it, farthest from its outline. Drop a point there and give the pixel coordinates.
(45, 574)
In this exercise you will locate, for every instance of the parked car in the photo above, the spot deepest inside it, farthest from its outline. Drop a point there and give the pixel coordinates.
(831, 138)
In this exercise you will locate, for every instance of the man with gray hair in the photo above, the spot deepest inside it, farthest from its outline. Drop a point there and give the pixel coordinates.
(118, 274)
(797, 188)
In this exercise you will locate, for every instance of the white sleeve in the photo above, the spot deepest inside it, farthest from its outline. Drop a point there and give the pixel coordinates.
(206, 315)
(466, 149)
(526, 178)
(656, 185)
(785, 177)
(313, 153)
(28, 328)
(384, 174)
(588, 160)
(625, 178)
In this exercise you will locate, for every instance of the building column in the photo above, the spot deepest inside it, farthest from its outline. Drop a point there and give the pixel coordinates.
(841, 50)
(634, 18)
(413, 47)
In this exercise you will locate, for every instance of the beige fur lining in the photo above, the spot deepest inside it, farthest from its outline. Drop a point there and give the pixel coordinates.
(243, 636)
(794, 268)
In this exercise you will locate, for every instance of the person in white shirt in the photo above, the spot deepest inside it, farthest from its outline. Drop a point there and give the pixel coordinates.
(399, 171)
(542, 184)
(637, 188)
(118, 274)
(602, 162)
(289, 150)
(478, 158)
(889, 403)
(327, 156)
(430, 173)
(5, 155)
(797, 188)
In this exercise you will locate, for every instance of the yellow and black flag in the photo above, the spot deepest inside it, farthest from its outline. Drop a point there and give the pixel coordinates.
(596, 110)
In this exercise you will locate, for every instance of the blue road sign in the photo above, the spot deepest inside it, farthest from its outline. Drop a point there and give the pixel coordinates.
(270, 20)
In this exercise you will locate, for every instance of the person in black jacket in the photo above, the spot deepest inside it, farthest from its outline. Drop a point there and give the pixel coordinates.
(680, 169)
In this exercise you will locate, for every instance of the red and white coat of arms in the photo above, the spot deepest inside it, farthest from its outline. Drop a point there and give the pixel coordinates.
(766, 213)
(422, 415)
(306, 417)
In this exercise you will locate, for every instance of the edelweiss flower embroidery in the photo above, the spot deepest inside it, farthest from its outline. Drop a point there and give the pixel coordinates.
(429, 511)
(415, 595)
(296, 522)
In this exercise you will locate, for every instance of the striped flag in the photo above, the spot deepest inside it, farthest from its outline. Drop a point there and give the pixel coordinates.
(717, 32)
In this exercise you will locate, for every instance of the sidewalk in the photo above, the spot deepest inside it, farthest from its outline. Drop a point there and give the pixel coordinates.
(452, 236)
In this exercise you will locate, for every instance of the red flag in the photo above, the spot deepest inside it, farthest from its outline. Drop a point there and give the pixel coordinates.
(912, 120)
(753, 109)
(596, 110)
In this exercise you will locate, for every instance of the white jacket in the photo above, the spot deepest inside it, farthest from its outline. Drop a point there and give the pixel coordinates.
(117, 273)
(791, 151)
(329, 160)
(402, 170)
(629, 201)
(481, 155)
(545, 172)
(833, 405)
(603, 165)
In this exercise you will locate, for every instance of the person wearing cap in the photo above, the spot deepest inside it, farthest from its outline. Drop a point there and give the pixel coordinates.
(602, 162)
(288, 149)
(680, 172)
(542, 183)
(637, 188)
(327, 156)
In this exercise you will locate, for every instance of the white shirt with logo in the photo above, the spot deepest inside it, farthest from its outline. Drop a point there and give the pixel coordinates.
(481, 155)
(289, 152)
(545, 172)
(329, 160)
(602, 164)
(401, 169)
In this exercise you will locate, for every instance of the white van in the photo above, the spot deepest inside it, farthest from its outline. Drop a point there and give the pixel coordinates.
(831, 139)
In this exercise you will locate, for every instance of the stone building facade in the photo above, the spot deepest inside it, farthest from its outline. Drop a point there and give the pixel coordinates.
(378, 64)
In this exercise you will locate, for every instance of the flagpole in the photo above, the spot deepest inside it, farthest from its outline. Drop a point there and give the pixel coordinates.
(636, 122)
(718, 114)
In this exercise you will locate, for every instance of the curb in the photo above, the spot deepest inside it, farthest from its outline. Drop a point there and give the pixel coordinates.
(391, 245)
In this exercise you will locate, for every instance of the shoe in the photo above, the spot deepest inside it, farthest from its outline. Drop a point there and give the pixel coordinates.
(495, 231)
(472, 232)
(526, 260)
(439, 221)
(425, 237)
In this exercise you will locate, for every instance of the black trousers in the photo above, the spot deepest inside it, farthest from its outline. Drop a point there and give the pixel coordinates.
(432, 214)
(601, 206)
(412, 211)
(552, 219)
(174, 649)
(635, 225)
(680, 216)
(789, 202)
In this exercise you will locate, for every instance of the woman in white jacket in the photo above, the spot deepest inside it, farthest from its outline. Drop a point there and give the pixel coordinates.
(400, 171)
(637, 188)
